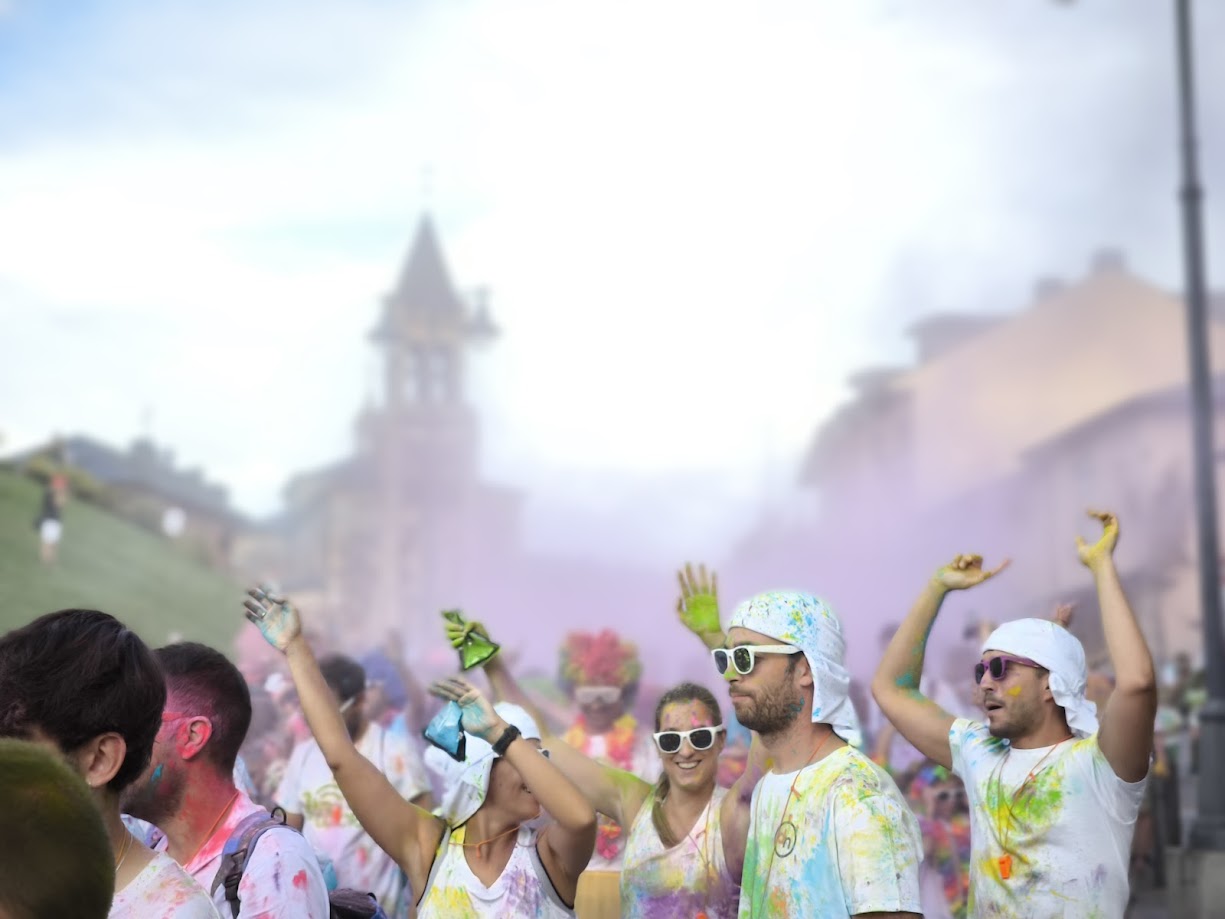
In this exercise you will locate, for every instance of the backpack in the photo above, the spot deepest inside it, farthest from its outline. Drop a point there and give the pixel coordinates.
(345, 903)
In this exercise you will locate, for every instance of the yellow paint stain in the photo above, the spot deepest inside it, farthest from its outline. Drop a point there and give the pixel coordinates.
(1014, 691)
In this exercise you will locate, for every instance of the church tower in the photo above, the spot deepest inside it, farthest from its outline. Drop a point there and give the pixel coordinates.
(423, 439)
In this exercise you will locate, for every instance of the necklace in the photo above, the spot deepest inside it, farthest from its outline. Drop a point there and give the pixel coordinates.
(1004, 862)
(785, 834)
(209, 835)
(485, 842)
(123, 851)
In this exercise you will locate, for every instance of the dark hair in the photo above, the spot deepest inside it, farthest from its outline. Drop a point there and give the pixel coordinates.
(681, 693)
(57, 859)
(345, 676)
(79, 673)
(205, 683)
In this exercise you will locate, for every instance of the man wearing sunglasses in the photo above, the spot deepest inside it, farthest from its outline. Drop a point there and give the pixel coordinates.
(1053, 796)
(830, 835)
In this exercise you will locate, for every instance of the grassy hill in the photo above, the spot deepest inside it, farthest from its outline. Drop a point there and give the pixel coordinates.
(110, 564)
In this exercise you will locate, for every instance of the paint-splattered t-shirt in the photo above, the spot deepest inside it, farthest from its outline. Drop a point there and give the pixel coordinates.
(522, 890)
(330, 826)
(162, 890)
(690, 879)
(844, 843)
(1066, 836)
(282, 879)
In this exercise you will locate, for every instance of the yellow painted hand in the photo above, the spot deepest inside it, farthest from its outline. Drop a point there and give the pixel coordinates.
(1102, 551)
(698, 605)
(457, 634)
(966, 571)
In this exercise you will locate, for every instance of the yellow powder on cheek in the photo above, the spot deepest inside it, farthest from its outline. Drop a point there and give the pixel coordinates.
(1014, 691)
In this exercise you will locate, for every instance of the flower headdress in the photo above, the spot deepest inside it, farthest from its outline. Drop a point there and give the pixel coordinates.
(599, 659)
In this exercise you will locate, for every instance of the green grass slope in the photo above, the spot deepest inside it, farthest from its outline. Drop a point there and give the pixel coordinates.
(107, 563)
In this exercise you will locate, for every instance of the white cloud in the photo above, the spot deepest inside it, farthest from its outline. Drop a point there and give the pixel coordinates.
(690, 215)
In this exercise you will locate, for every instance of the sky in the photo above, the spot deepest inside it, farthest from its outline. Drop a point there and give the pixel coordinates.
(695, 221)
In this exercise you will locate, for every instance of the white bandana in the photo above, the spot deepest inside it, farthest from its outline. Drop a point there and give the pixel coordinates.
(1059, 651)
(803, 621)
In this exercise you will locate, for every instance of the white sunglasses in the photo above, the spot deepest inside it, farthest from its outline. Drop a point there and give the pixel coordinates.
(743, 657)
(699, 738)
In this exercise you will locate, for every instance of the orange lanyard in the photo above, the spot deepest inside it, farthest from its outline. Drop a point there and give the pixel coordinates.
(1004, 862)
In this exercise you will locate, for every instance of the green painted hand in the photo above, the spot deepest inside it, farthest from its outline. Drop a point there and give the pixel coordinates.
(698, 604)
(276, 618)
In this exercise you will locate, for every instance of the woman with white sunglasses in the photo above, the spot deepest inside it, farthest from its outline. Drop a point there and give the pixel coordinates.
(685, 836)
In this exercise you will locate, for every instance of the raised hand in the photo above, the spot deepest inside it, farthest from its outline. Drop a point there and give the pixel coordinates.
(698, 604)
(1063, 614)
(457, 634)
(479, 717)
(1102, 551)
(276, 618)
(966, 571)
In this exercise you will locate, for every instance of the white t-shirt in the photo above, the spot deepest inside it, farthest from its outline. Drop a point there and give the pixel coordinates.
(162, 890)
(331, 827)
(522, 890)
(282, 879)
(689, 879)
(842, 844)
(1066, 836)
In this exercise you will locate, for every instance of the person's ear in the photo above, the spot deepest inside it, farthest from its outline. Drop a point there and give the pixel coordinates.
(803, 672)
(100, 758)
(193, 736)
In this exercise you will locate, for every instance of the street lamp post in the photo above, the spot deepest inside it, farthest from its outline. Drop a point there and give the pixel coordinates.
(1208, 830)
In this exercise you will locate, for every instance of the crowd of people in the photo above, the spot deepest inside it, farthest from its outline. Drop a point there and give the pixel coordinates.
(151, 783)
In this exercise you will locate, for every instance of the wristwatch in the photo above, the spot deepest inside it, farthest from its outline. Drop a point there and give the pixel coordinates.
(509, 736)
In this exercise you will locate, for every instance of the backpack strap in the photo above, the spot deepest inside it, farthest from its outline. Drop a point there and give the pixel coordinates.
(238, 849)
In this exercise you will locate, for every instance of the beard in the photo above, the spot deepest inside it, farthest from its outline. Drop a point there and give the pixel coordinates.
(771, 709)
(153, 797)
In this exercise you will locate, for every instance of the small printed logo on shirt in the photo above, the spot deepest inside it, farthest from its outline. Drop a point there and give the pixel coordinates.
(784, 839)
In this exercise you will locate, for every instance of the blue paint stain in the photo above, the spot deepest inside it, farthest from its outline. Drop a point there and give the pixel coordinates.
(156, 777)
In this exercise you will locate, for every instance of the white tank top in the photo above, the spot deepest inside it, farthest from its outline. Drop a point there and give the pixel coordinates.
(690, 879)
(523, 889)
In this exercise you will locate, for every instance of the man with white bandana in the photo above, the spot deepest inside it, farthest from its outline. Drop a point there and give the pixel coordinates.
(830, 835)
(1053, 796)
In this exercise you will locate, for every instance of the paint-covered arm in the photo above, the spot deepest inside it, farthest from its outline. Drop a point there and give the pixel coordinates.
(697, 607)
(896, 684)
(568, 842)
(404, 831)
(734, 814)
(615, 793)
(1126, 731)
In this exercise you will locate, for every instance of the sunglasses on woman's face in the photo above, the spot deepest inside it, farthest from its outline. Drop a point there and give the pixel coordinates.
(699, 738)
(998, 666)
(744, 657)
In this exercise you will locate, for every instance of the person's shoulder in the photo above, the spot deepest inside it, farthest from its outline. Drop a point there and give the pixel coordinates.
(857, 776)
(281, 851)
(170, 885)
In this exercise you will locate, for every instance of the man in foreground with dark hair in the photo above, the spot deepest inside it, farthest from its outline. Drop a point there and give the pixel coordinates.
(57, 858)
(80, 683)
(188, 793)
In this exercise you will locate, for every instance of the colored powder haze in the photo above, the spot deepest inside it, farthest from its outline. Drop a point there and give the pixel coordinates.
(696, 221)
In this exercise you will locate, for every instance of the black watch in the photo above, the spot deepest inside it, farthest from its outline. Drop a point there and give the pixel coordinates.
(509, 736)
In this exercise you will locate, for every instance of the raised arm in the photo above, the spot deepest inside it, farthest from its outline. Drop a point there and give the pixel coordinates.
(404, 831)
(567, 843)
(896, 684)
(1126, 731)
